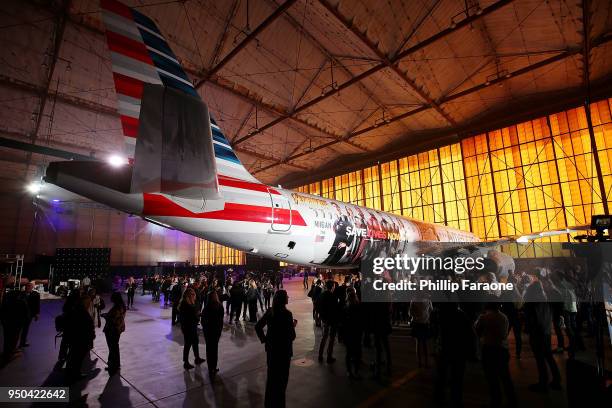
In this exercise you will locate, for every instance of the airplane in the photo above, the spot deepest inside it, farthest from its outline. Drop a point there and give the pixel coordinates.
(180, 171)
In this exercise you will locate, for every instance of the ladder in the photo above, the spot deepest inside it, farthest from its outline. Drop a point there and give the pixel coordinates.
(16, 267)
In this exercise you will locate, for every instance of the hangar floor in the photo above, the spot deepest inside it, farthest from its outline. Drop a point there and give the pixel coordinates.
(152, 374)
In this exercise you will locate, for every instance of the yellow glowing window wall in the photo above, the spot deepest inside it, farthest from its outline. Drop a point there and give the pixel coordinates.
(209, 253)
(533, 176)
(315, 188)
(526, 179)
(453, 186)
(327, 188)
(602, 128)
(371, 184)
(577, 172)
(481, 197)
(349, 188)
(422, 187)
(390, 187)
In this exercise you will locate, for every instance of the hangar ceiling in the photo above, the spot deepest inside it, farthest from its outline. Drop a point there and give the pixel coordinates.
(301, 86)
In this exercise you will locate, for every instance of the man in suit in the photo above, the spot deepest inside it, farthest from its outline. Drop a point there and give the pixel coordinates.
(33, 301)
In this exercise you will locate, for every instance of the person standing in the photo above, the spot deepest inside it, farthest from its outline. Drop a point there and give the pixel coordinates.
(176, 294)
(267, 293)
(328, 311)
(493, 326)
(538, 316)
(80, 334)
(229, 283)
(32, 299)
(236, 295)
(352, 331)
(131, 291)
(455, 344)
(420, 313)
(96, 306)
(86, 282)
(212, 326)
(252, 296)
(278, 341)
(189, 326)
(315, 294)
(114, 326)
(165, 288)
(381, 324)
(305, 278)
(13, 314)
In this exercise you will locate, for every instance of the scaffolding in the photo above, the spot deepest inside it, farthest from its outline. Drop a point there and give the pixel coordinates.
(15, 267)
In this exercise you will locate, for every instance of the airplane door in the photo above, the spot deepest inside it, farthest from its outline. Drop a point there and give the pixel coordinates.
(281, 212)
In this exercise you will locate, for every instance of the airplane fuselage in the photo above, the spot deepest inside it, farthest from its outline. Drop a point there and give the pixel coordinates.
(277, 223)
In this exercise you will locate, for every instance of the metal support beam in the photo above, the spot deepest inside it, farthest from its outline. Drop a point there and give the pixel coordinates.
(60, 96)
(559, 57)
(223, 37)
(57, 43)
(265, 24)
(223, 84)
(93, 107)
(348, 24)
(268, 158)
(396, 59)
(330, 56)
(586, 55)
(38, 149)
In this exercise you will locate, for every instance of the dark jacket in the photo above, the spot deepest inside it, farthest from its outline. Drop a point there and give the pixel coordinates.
(188, 316)
(351, 325)
(237, 293)
(80, 330)
(33, 301)
(252, 295)
(538, 315)
(176, 293)
(455, 335)
(280, 334)
(212, 320)
(328, 307)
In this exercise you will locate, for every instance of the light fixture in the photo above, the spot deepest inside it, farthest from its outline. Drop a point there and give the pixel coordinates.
(34, 187)
(55, 200)
(117, 161)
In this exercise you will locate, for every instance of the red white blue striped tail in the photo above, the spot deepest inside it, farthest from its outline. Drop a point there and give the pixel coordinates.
(140, 54)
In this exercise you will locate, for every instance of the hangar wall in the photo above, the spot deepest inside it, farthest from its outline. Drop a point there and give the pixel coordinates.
(36, 230)
(533, 176)
(209, 253)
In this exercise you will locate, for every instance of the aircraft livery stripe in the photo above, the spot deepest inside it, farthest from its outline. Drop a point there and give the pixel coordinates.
(130, 126)
(128, 47)
(232, 182)
(117, 8)
(128, 86)
(161, 206)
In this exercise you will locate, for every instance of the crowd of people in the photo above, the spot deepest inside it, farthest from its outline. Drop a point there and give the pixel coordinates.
(546, 305)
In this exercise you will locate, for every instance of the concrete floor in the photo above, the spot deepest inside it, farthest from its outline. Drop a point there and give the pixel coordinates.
(152, 374)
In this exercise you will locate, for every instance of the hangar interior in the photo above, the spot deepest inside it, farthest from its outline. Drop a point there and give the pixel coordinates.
(427, 109)
(489, 116)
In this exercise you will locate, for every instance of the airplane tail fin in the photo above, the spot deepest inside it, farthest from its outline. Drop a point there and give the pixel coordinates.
(175, 145)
